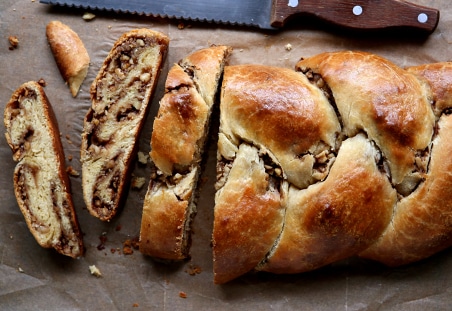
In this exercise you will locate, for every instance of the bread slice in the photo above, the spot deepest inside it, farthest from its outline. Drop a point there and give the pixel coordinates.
(41, 184)
(178, 138)
(70, 54)
(120, 95)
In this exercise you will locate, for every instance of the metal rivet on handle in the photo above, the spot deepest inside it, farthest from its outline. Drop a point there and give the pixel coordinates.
(293, 3)
(422, 18)
(357, 10)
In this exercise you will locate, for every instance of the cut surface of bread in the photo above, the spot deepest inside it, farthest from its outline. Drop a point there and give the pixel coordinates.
(177, 145)
(70, 54)
(351, 152)
(41, 184)
(120, 96)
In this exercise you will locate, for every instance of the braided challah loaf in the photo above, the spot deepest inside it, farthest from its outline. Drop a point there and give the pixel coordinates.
(346, 156)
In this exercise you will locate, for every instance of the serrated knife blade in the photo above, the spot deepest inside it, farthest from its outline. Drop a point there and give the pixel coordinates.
(273, 14)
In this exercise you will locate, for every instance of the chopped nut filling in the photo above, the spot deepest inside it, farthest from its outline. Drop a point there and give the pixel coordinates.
(422, 157)
(111, 125)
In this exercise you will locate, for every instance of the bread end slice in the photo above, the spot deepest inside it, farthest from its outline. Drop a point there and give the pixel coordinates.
(70, 54)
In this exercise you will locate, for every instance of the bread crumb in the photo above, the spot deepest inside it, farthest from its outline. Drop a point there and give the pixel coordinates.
(42, 82)
(182, 294)
(129, 245)
(68, 138)
(103, 240)
(95, 271)
(88, 16)
(180, 25)
(193, 270)
(142, 157)
(127, 249)
(71, 171)
(136, 242)
(14, 42)
(69, 157)
(20, 270)
(288, 47)
(138, 182)
(135, 305)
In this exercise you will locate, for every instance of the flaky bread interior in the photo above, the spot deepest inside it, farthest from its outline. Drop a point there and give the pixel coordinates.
(177, 145)
(70, 54)
(41, 183)
(120, 95)
(355, 149)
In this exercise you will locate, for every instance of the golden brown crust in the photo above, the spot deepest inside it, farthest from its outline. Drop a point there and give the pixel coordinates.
(70, 54)
(120, 95)
(439, 76)
(248, 217)
(206, 72)
(293, 131)
(177, 145)
(41, 184)
(374, 95)
(337, 218)
(384, 191)
(178, 127)
(422, 223)
(184, 113)
(166, 211)
(280, 111)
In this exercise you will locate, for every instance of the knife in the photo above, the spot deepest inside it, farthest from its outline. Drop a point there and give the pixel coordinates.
(273, 14)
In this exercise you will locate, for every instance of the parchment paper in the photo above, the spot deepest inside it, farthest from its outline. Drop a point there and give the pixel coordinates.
(33, 278)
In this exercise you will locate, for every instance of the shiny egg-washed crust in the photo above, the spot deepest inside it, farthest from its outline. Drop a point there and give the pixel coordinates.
(70, 54)
(41, 184)
(422, 222)
(120, 95)
(177, 144)
(345, 156)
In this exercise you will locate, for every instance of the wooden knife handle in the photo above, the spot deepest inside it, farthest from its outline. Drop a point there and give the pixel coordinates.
(358, 14)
